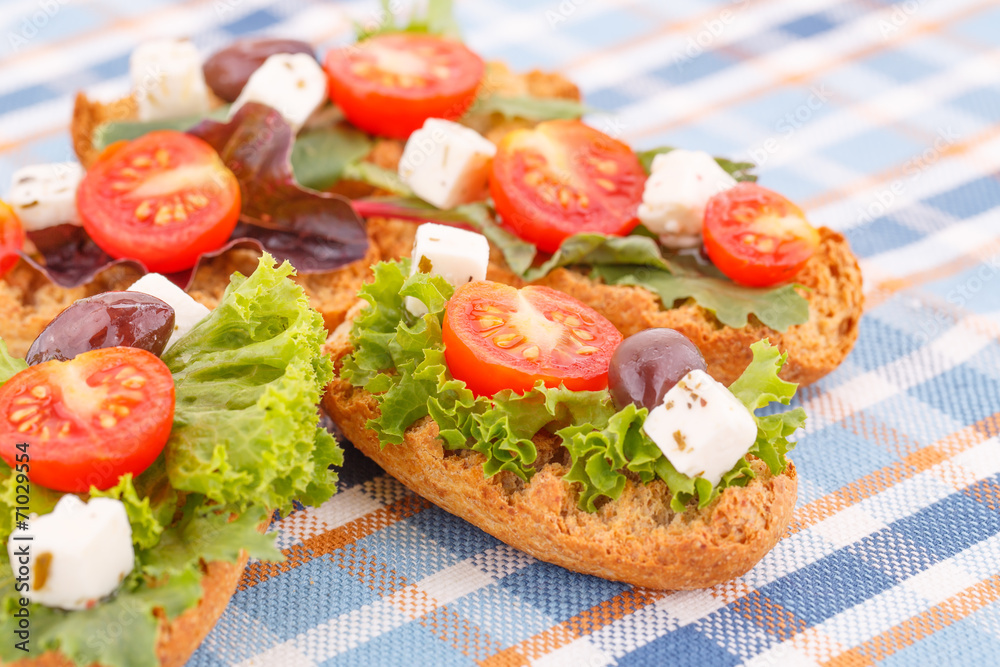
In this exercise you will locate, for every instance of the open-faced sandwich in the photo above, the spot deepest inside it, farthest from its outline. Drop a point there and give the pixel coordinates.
(525, 412)
(145, 442)
(657, 238)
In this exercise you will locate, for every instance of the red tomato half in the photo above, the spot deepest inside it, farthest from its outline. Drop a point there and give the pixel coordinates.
(390, 84)
(11, 238)
(500, 337)
(87, 421)
(164, 199)
(757, 237)
(562, 178)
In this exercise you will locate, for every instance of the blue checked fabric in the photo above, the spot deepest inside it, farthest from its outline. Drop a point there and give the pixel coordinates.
(883, 121)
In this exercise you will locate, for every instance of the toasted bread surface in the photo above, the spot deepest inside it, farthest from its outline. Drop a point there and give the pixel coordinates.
(178, 638)
(637, 538)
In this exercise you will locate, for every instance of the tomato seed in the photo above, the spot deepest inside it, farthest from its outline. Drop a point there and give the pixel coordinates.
(141, 161)
(530, 353)
(134, 382)
(106, 420)
(586, 349)
(507, 340)
(571, 321)
(25, 426)
(490, 321)
(583, 334)
(22, 414)
(64, 429)
(120, 410)
(162, 157)
(143, 210)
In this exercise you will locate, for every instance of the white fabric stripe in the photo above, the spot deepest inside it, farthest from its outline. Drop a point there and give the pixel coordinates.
(718, 90)
(955, 346)
(345, 507)
(354, 628)
(578, 653)
(683, 608)
(972, 236)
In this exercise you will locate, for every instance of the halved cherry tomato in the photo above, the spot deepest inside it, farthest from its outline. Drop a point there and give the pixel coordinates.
(164, 199)
(11, 238)
(562, 178)
(757, 237)
(390, 84)
(90, 420)
(500, 337)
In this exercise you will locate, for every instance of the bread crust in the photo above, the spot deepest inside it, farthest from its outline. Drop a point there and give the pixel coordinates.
(178, 638)
(637, 538)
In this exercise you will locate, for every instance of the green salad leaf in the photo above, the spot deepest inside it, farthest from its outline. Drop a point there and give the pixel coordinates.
(251, 374)
(320, 155)
(437, 19)
(379, 177)
(248, 378)
(741, 171)
(400, 359)
(9, 364)
(111, 131)
(602, 250)
(529, 107)
(777, 307)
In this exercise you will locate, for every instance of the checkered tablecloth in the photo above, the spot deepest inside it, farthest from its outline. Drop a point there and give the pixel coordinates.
(882, 120)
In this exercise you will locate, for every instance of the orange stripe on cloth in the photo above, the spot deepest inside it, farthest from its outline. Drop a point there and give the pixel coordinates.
(332, 540)
(884, 478)
(581, 625)
(922, 625)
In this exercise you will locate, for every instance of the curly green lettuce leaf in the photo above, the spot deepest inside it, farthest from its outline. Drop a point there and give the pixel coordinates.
(776, 307)
(207, 533)
(9, 364)
(741, 171)
(438, 18)
(111, 131)
(248, 378)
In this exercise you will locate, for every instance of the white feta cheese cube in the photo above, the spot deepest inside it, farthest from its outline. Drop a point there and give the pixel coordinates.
(78, 553)
(167, 80)
(293, 84)
(447, 164)
(187, 311)
(679, 186)
(44, 195)
(701, 427)
(457, 255)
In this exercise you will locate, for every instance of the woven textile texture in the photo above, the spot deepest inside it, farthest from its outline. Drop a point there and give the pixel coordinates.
(881, 120)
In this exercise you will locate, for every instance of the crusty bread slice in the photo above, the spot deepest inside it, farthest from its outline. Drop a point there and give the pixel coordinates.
(637, 538)
(833, 288)
(28, 301)
(178, 638)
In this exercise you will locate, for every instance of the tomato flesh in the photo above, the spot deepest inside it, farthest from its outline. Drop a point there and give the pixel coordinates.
(89, 420)
(11, 238)
(163, 199)
(563, 178)
(756, 236)
(390, 84)
(500, 337)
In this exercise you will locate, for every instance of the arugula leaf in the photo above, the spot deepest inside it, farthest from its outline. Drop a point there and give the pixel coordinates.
(439, 19)
(529, 107)
(9, 364)
(376, 176)
(109, 132)
(601, 250)
(319, 156)
(778, 308)
(248, 378)
(741, 171)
